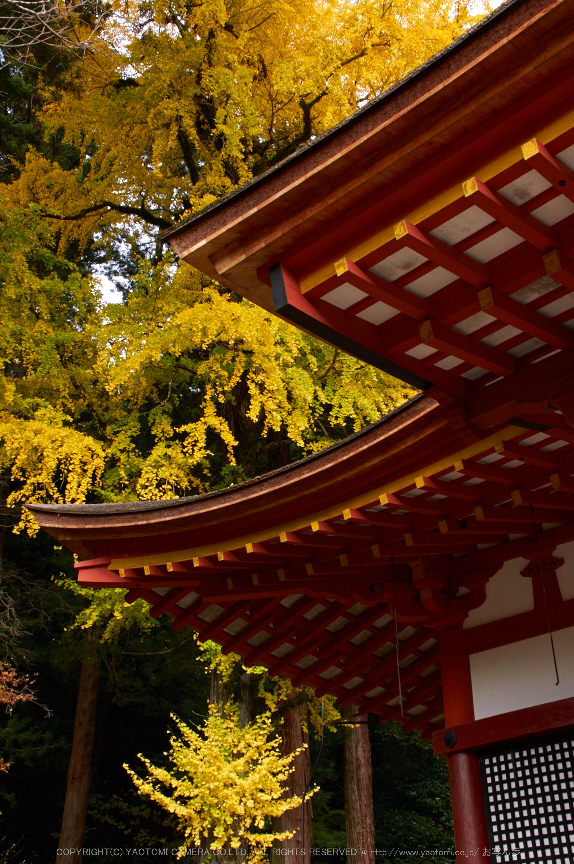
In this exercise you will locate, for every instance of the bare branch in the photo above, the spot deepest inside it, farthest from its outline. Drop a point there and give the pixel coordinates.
(27, 24)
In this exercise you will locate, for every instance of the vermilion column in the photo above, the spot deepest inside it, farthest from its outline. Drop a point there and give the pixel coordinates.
(465, 788)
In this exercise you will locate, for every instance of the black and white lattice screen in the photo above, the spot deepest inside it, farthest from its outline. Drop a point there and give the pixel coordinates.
(529, 801)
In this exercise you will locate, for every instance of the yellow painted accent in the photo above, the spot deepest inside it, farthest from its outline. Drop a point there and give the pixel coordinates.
(281, 575)
(122, 571)
(485, 299)
(255, 578)
(317, 278)
(443, 527)
(479, 513)
(309, 569)
(283, 537)
(376, 551)
(335, 512)
(229, 581)
(529, 149)
(341, 267)
(146, 570)
(347, 514)
(458, 466)
(516, 497)
(425, 330)
(249, 548)
(420, 482)
(429, 208)
(400, 229)
(170, 567)
(470, 186)
(343, 560)
(220, 555)
(409, 540)
(551, 262)
(196, 562)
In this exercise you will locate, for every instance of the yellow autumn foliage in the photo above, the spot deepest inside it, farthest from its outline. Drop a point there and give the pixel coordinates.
(48, 461)
(224, 784)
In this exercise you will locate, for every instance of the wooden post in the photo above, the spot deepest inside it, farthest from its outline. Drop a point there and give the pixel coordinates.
(80, 768)
(471, 839)
(359, 817)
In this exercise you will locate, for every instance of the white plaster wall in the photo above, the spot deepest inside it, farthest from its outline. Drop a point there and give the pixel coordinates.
(522, 674)
(507, 593)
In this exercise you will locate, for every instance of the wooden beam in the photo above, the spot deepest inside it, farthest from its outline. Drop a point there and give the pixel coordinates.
(379, 289)
(414, 504)
(524, 318)
(511, 726)
(451, 489)
(508, 214)
(520, 516)
(466, 348)
(560, 483)
(471, 526)
(506, 476)
(442, 254)
(560, 266)
(168, 602)
(530, 455)
(551, 167)
(543, 500)
(443, 541)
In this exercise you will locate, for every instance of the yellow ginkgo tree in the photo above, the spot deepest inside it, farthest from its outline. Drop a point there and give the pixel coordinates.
(225, 784)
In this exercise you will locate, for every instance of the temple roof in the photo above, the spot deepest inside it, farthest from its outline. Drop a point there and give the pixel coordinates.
(431, 235)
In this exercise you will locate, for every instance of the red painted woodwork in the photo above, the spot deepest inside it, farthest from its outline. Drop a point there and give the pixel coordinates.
(456, 681)
(506, 631)
(471, 839)
(512, 726)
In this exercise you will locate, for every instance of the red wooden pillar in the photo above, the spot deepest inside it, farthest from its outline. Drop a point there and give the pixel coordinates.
(465, 788)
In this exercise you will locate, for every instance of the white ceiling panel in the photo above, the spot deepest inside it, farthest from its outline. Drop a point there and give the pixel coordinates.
(558, 306)
(449, 362)
(398, 264)
(554, 211)
(567, 156)
(462, 226)
(432, 282)
(473, 322)
(421, 351)
(344, 295)
(475, 372)
(493, 246)
(502, 335)
(526, 347)
(526, 187)
(535, 289)
(377, 313)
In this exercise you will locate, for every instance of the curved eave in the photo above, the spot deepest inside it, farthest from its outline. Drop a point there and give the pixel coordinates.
(349, 474)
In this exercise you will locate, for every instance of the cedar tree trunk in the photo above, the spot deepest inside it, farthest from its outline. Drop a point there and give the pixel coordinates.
(292, 737)
(80, 768)
(359, 819)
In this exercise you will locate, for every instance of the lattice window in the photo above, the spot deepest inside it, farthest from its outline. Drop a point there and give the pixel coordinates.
(529, 801)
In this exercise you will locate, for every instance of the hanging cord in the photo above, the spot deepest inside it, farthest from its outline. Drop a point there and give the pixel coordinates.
(396, 633)
(545, 598)
(308, 787)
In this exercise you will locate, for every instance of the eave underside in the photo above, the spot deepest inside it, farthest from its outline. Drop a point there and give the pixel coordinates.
(401, 524)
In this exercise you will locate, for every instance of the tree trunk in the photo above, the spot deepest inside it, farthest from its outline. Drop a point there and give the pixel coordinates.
(80, 768)
(292, 737)
(359, 819)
